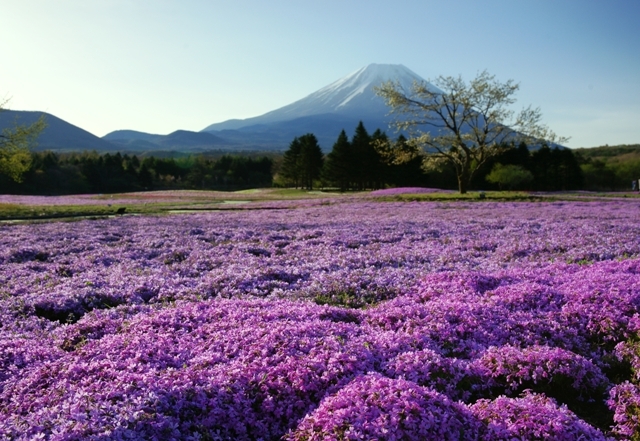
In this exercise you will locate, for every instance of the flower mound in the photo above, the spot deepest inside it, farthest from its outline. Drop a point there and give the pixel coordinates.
(553, 370)
(532, 417)
(625, 399)
(375, 407)
(451, 376)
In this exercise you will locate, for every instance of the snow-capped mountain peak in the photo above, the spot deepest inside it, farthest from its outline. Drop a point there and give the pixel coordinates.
(364, 80)
(352, 95)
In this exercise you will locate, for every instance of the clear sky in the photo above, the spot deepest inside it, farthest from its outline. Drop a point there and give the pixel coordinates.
(161, 65)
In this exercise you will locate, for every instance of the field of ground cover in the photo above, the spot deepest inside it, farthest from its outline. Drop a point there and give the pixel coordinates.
(29, 208)
(325, 319)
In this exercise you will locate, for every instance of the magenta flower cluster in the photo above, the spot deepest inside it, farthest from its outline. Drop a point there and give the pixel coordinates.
(376, 407)
(531, 417)
(359, 320)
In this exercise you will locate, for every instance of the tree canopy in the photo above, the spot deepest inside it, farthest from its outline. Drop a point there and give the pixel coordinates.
(509, 176)
(15, 144)
(464, 124)
(303, 161)
(338, 164)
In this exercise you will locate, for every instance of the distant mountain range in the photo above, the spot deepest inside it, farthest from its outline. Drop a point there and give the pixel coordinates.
(340, 105)
(58, 135)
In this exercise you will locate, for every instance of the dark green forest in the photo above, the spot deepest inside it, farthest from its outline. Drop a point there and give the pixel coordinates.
(373, 161)
(89, 172)
(360, 162)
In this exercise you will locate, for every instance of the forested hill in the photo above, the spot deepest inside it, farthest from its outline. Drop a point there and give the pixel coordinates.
(610, 167)
(622, 152)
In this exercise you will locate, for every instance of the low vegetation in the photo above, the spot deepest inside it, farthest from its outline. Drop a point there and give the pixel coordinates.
(323, 318)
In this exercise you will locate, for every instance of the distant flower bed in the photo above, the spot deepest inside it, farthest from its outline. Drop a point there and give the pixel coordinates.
(260, 198)
(358, 320)
(53, 200)
(406, 190)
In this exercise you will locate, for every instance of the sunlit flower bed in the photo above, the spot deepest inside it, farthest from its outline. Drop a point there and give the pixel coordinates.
(393, 321)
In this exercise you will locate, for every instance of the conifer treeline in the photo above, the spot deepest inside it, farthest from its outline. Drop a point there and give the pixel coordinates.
(363, 162)
(90, 172)
(374, 161)
(358, 164)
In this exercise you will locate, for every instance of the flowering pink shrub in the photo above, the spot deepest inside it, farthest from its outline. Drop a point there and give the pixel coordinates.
(453, 377)
(558, 373)
(625, 401)
(375, 407)
(532, 417)
(244, 369)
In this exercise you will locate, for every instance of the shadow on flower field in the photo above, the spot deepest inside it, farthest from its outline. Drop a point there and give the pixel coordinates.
(347, 320)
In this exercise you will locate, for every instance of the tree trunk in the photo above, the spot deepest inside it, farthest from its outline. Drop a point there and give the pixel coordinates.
(464, 176)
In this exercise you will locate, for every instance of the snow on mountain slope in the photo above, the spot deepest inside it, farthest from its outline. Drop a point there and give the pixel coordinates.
(342, 92)
(351, 96)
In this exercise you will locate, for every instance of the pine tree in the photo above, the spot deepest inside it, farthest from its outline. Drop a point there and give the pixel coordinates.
(311, 160)
(302, 163)
(361, 143)
(291, 163)
(338, 166)
(568, 172)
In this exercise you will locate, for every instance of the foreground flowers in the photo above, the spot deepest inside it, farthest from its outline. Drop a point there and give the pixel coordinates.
(120, 329)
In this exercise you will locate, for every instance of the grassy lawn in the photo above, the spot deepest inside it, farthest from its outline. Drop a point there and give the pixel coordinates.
(471, 196)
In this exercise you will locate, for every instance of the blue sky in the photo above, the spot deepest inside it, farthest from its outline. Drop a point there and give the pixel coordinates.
(160, 65)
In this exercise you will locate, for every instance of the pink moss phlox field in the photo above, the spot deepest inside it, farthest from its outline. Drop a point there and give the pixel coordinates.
(460, 321)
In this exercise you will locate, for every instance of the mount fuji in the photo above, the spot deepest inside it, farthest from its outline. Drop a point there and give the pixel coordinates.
(340, 105)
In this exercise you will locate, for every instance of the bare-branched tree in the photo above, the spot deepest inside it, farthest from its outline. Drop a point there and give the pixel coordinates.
(464, 124)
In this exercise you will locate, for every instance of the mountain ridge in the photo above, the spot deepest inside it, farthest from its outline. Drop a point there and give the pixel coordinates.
(58, 134)
(340, 105)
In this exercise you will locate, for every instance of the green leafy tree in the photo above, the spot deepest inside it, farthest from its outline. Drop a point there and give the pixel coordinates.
(467, 123)
(15, 145)
(509, 176)
(402, 161)
(376, 170)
